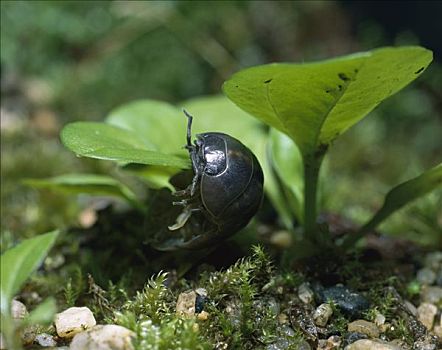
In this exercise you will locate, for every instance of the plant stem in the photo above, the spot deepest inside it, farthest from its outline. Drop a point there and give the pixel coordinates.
(311, 175)
(351, 240)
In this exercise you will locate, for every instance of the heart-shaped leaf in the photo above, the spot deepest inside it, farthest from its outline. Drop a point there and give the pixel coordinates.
(19, 262)
(316, 102)
(105, 141)
(160, 126)
(87, 183)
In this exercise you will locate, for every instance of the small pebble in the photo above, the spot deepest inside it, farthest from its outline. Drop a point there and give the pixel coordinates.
(45, 340)
(332, 343)
(353, 336)
(410, 307)
(428, 343)
(28, 334)
(201, 292)
(203, 315)
(108, 337)
(437, 330)
(351, 303)
(282, 239)
(379, 319)
(322, 314)
(426, 276)
(185, 305)
(302, 320)
(432, 294)
(302, 345)
(365, 327)
(426, 313)
(322, 344)
(280, 344)
(287, 331)
(74, 320)
(368, 344)
(18, 310)
(305, 293)
(402, 344)
(434, 260)
(267, 304)
(283, 318)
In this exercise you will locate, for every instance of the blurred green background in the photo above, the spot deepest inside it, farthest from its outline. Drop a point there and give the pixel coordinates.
(73, 60)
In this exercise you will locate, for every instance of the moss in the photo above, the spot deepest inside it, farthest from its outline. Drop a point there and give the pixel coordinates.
(399, 330)
(244, 305)
(151, 302)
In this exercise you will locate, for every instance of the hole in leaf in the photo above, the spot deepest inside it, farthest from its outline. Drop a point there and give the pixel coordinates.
(343, 77)
(419, 70)
(268, 81)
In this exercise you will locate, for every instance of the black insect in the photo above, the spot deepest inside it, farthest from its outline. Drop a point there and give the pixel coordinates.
(225, 193)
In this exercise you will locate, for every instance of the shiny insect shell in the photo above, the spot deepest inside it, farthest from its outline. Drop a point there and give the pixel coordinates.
(227, 187)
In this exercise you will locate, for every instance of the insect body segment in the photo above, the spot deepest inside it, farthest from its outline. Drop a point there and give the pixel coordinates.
(227, 189)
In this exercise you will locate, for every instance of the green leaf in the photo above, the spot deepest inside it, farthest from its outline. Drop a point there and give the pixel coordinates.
(398, 197)
(161, 126)
(154, 176)
(287, 161)
(87, 183)
(43, 313)
(103, 141)
(19, 262)
(314, 103)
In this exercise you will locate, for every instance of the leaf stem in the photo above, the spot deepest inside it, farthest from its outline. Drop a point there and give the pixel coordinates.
(351, 240)
(312, 166)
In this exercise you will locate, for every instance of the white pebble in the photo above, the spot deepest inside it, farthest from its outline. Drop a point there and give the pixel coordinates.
(45, 340)
(185, 305)
(108, 337)
(305, 293)
(74, 320)
(426, 276)
(379, 319)
(368, 344)
(426, 313)
(322, 314)
(18, 310)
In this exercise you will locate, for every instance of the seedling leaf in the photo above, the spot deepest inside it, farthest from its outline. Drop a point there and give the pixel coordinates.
(19, 262)
(87, 183)
(104, 141)
(314, 103)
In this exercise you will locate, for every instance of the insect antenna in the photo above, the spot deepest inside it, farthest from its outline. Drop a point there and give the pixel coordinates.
(189, 127)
